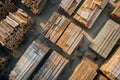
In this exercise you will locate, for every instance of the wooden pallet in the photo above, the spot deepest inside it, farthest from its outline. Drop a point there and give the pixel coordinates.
(69, 6)
(106, 39)
(62, 32)
(85, 70)
(29, 61)
(111, 68)
(13, 28)
(52, 67)
(89, 12)
(35, 6)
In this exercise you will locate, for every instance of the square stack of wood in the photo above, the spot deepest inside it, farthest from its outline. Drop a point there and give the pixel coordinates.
(13, 28)
(111, 68)
(69, 6)
(86, 70)
(29, 61)
(89, 12)
(116, 14)
(101, 77)
(52, 67)
(6, 7)
(35, 6)
(106, 39)
(62, 32)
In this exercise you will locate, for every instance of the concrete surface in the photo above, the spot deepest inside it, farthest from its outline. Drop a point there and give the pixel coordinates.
(83, 48)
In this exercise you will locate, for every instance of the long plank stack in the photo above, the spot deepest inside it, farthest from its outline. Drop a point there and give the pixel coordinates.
(111, 68)
(63, 32)
(35, 6)
(52, 67)
(13, 28)
(86, 70)
(89, 12)
(116, 13)
(106, 39)
(69, 6)
(29, 61)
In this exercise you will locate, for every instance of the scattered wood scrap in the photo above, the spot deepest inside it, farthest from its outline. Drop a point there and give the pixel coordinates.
(62, 32)
(3, 62)
(52, 67)
(89, 12)
(35, 6)
(106, 39)
(13, 28)
(29, 61)
(69, 6)
(111, 68)
(85, 70)
(116, 14)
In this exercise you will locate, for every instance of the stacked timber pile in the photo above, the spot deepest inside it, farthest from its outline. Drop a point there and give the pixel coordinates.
(52, 67)
(3, 63)
(69, 6)
(35, 6)
(5, 8)
(29, 61)
(89, 12)
(13, 28)
(63, 32)
(106, 39)
(111, 68)
(116, 13)
(86, 70)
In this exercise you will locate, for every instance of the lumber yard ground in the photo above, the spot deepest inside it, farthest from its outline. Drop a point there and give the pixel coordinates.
(34, 33)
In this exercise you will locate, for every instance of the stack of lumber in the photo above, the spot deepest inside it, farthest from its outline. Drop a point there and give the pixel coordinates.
(86, 70)
(106, 39)
(35, 6)
(13, 28)
(29, 61)
(52, 67)
(111, 68)
(7, 7)
(116, 13)
(63, 32)
(101, 77)
(69, 6)
(89, 12)
(3, 63)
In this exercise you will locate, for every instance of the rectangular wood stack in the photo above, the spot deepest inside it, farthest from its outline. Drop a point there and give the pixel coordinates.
(29, 61)
(35, 6)
(69, 6)
(85, 70)
(111, 68)
(106, 39)
(52, 67)
(62, 32)
(13, 28)
(116, 13)
(89, 12)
